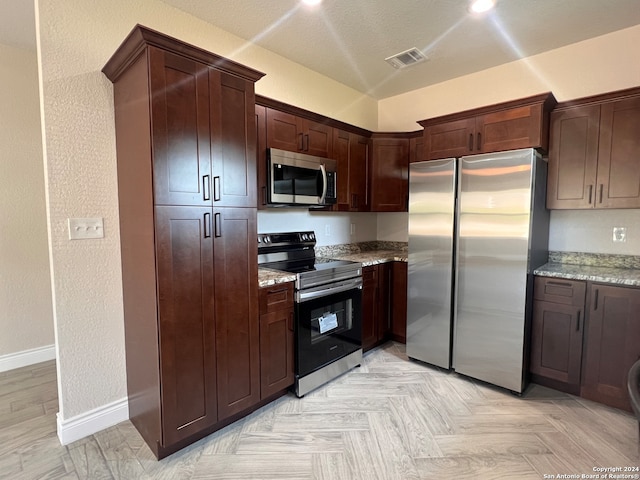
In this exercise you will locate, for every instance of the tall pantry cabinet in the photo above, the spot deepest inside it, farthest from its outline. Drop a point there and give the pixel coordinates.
(185, 134)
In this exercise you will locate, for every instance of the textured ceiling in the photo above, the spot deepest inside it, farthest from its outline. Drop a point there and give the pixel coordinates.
(348, 40)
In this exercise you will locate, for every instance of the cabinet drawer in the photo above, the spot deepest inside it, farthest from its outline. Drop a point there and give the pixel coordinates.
(559, 290)
(276, 297)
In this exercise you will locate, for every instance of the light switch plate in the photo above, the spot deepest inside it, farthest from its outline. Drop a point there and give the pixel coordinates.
(619, 234)
(84, 228)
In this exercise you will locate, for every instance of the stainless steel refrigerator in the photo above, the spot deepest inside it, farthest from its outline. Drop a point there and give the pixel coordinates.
(478, 227)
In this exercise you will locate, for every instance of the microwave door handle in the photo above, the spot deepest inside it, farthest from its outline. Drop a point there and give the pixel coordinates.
(324, 183)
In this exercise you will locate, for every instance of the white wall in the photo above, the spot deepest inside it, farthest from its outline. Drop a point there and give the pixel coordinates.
(76, 38)
(607, 63)
(331, 228)
(26, 319)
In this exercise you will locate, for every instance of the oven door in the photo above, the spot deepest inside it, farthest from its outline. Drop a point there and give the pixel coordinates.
(327, 328)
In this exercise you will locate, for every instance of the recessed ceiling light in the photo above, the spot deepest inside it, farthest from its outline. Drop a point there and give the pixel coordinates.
(481, 6)
(312, 2)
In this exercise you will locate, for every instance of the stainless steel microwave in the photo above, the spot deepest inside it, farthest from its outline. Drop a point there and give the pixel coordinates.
(300, 179)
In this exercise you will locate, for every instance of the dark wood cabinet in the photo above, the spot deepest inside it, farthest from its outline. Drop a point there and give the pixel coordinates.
(389, 174)
(511, 125)
(261, 155)
(398, 300)
(612, 343)
(185, 139)
(594, 153)
(287, 131)
(352, 154)
(557, 332)
(416, 148)
(276, 339)
(369, 307)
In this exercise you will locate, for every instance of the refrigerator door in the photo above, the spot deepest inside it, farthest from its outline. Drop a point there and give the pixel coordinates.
(494, 212)
(430, 282)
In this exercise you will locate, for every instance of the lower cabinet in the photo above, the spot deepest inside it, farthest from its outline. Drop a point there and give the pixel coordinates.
(588, 355)
(384, 303)
(276, 339)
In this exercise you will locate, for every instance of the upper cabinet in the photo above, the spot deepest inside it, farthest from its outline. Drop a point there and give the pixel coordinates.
(594, 157)
(352, 154)
(511, 125)
(296, 134)
(389, 173)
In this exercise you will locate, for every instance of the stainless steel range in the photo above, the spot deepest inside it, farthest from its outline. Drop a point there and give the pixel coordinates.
(328, 304)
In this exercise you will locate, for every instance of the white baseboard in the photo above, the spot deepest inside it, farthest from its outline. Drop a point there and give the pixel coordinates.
(27, 357)
(92, 421)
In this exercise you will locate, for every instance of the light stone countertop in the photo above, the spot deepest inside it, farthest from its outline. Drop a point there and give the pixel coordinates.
(617, 276)
(373, 257)
(268, 277)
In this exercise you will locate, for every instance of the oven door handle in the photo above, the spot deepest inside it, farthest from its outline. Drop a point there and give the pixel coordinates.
(324, 291)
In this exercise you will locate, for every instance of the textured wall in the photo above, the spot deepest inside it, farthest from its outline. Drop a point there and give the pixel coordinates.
(76, 38)
(26, 319)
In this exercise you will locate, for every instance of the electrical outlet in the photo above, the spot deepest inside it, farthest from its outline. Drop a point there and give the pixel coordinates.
(327, 230)
(620, 234)
(84, 228)
(353, 229)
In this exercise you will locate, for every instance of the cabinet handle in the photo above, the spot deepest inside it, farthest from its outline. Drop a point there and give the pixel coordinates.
(471, 142)
(217, 225)
(595, 300)
(601, 187)
(590, 193)
(578, 322)
(354, 200)
(216, 188)
(206, 188)
(306, 137)
(300, 141)
(291, 321)
(479, 142)
(207, 225)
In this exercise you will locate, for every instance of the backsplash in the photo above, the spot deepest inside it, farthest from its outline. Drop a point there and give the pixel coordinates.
(595, 259)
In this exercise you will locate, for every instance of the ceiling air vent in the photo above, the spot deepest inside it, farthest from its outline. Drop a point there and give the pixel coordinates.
(406, 58)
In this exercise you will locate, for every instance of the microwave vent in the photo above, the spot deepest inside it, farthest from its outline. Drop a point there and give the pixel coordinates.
(406, 58)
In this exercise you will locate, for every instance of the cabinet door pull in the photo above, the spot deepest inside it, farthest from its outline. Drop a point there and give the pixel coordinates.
(216, 188)
(217, 225)
(207, 225)
(290, 322)
(590, 193)
(306, 137)
(578, 322)
(471, 142)
(206, 188)
(479, 142)
(300, 141)
(595, 300)
(600, 194)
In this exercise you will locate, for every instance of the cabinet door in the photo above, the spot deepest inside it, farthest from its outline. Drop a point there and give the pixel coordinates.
(369, 306)
(399, 302)
(619, 155)
(612, 344)
(509, 129)
(416, 149)
(342, 154)
(317, 138)
(236, 309)
(449, 139)
(276, 352)
(184, 250)
(383, 300)
(261, 155)
(180, 130)
(389, 175)
(359, 174)
(233, 146)
(556, 343)
(573, 157)
(282, 131)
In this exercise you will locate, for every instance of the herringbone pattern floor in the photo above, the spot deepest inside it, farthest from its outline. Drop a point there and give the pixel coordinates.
(389, 419)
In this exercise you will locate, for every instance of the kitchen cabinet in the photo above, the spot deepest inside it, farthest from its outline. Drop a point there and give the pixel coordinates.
(594, 153)
(399, 302)
(416, 148)
(261, 155)
(511, 125)
(287, 131)
(612, 343)
(376, 304)
(389, 173)
(185, 141)
(351, 152)
(556, 333)
(276, 339)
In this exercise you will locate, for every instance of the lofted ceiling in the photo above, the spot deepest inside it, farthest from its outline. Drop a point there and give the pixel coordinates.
(348, 40)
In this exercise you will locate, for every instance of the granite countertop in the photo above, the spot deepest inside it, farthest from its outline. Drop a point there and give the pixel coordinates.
(268, 277)
(373, 257)
(614, 269)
